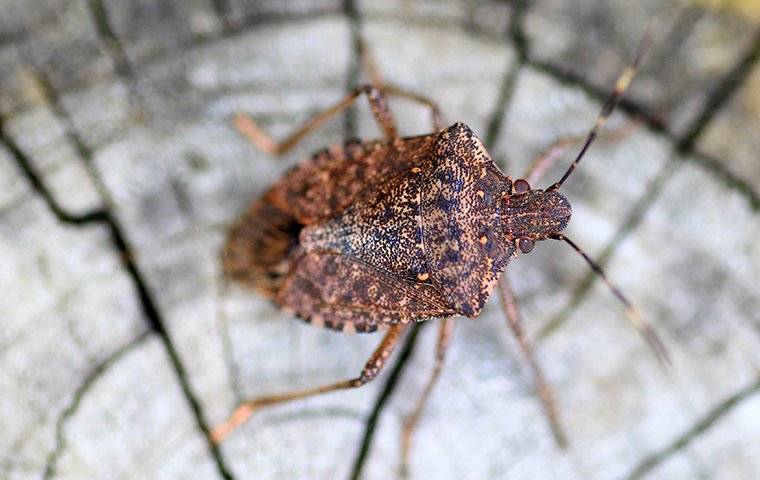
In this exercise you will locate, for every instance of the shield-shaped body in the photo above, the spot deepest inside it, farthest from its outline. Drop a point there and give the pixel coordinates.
(371, 234)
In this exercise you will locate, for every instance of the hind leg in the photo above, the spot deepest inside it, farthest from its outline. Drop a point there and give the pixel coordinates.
(369, 372)
(410, 423)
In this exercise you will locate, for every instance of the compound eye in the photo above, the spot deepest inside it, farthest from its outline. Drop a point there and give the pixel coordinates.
(526, 245)
(520, 186)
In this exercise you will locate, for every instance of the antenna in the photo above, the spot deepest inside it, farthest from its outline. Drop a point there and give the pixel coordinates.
(634, 317)
(621, 85)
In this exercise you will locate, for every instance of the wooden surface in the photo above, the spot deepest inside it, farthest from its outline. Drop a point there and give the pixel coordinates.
(120, 171)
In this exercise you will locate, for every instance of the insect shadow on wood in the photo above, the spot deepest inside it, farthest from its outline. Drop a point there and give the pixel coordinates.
(379, 234)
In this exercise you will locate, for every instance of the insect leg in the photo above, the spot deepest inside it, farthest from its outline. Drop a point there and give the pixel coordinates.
(509, 304)
(370, 371)
(369, 65)
(377, 101)
(410, 423)
(376, 79)
(435, 112)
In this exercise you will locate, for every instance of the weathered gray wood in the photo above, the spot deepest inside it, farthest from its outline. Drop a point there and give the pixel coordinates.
(134, 422)
(731, 139)
(178, 187)
(605, 376)
(238, 13)
(478, 17)
(693, 48)
(41, 135)
(126, 109)
(67, 307)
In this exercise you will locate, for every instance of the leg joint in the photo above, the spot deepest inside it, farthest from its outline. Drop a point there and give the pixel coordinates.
(368, 90)
(358, 382)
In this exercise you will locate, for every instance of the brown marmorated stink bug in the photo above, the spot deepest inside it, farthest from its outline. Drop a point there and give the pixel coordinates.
(377, 235)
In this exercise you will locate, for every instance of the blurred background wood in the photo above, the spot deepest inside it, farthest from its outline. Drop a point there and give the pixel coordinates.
(120, 171)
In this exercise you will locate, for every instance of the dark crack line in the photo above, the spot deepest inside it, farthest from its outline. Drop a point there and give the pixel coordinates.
(508, 82)
(728, 178)
(251, 21)
(656, 125)
(150, 310)
(35, 178)
(153, 316)
(222, 10)
(355, 64)
(721, 94)
(516, 29)
(713, 416)
(499, 114)
(632, 220)
(572, 79)
(79, 393)
(113, 45)
(382, 400)
(38, 185)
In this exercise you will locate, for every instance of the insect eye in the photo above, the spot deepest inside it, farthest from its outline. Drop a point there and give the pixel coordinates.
(520, 186)
(526, 245)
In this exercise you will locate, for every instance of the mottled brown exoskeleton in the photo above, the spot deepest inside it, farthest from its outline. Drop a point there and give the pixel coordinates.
(377, 235)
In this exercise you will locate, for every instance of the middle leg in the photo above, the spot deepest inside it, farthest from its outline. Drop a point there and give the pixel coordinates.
(410, 423)
(536, 170)
(509, 305)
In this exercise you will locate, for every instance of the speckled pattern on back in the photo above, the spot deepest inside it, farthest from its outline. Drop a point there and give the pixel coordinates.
(368, 235)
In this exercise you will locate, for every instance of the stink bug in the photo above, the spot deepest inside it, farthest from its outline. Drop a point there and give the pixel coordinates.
(377, 235)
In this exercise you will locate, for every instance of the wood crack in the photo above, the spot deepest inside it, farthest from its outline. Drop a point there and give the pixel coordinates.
(94, 375)
(148, 304)
(113, 45)
(720, 95)
(38, 186)
(625, 228)
(704, 424)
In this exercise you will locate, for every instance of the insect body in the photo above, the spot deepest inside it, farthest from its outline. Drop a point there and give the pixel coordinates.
(372, 235)
(380, 234)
